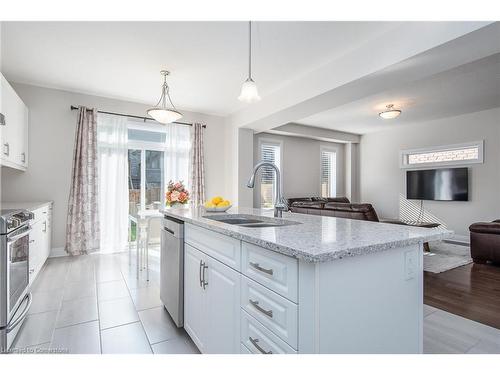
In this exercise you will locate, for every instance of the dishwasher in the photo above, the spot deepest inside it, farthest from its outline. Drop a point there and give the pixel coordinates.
(172, 268)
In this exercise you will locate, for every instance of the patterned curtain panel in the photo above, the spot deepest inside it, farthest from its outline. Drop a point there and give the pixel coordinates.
(197, 166)
(82, 225)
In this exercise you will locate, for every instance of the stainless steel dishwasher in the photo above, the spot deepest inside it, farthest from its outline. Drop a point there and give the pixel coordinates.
(172, 268)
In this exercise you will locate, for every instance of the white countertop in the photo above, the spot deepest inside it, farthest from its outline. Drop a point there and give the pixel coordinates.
(24, 205)
(316, 238)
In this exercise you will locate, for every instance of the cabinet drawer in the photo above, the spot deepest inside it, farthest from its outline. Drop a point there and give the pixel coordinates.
(41, 214)
(272, 310)
(275, 271)
(259, 340)
(223, 248)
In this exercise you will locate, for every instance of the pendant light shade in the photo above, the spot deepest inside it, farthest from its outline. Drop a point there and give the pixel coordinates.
(390, 113)
(249, 92)
(161, 112)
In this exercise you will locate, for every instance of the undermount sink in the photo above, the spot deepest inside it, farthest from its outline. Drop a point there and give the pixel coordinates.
(250, 221)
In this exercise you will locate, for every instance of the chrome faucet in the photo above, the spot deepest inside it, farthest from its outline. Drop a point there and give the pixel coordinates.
(279, 203)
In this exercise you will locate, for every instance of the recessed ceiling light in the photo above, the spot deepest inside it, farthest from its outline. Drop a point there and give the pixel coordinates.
(390, 113)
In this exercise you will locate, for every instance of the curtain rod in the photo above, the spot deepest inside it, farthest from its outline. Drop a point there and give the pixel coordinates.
(74, 107)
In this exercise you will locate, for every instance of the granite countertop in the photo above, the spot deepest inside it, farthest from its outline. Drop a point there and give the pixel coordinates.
(24, 205)
(314, 238)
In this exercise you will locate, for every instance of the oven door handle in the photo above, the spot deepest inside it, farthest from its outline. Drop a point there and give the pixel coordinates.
(18, 236)
(21, 317)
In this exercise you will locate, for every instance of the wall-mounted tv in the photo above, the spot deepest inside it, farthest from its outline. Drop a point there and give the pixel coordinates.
(444, 184)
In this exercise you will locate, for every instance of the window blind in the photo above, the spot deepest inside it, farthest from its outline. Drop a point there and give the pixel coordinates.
(268, 152)
(328, 173)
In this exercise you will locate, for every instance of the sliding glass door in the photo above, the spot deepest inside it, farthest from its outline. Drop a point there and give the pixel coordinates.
(154, 181)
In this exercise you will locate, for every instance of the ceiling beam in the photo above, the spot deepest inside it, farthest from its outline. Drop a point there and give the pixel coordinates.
(312, 132)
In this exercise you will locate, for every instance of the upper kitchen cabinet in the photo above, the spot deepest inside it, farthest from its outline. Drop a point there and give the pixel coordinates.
(14, 128)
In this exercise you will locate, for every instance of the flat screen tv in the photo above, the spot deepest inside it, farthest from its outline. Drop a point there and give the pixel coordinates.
(446, 184)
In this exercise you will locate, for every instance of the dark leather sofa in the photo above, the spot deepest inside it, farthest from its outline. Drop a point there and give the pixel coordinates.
(336, 207)
(485, 242)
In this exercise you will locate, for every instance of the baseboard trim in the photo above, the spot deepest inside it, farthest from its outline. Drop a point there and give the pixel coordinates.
(57, 252)
(459, 240)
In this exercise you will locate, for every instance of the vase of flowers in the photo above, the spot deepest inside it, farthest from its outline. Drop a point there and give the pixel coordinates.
(177, 194)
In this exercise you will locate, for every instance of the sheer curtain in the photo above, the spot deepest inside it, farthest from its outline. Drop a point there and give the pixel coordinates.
(177, 148)
(112, 138)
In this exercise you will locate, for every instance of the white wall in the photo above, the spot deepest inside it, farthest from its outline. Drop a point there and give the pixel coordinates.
(300, 166)
(383, 182)
(51, 140)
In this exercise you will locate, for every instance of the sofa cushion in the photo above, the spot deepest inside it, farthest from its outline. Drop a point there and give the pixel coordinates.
(361, 211)
(491, 228)
(308, 204)
(290, 201)
(331, 199)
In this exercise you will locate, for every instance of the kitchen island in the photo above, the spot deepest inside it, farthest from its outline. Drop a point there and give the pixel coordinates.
(301, 283)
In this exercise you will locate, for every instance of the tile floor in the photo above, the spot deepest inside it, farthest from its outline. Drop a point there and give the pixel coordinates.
(95, 304)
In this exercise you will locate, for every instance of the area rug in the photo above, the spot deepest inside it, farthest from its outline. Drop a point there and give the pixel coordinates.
(444, 256)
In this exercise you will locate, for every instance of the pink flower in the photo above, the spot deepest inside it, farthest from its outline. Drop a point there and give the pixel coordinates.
(175, 196)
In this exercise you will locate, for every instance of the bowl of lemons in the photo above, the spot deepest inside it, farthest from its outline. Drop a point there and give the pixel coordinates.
(217, 204)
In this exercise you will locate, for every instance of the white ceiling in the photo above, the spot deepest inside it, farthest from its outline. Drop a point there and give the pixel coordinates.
(208, 60)
(468, 88)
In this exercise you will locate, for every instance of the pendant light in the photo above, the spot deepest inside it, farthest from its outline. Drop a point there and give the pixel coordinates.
(161, 112)
(249, 92)
(390, 112)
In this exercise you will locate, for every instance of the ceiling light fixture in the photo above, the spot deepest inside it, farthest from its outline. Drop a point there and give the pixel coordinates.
(249, 92)
(390, 113)
(161, 112)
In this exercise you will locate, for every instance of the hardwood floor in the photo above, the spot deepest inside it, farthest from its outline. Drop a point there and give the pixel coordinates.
(471, 291)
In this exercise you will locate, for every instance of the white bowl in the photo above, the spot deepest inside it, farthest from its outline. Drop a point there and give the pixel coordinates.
(218, 209)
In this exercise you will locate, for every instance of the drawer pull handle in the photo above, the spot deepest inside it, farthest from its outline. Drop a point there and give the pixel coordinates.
(255, 343)
(203, 267)
(259, 268)
(255, 304)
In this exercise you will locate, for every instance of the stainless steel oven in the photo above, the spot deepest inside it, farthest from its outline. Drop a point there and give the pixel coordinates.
(15, 300)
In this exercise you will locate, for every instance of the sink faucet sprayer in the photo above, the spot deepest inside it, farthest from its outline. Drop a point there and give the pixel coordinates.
(279, 203)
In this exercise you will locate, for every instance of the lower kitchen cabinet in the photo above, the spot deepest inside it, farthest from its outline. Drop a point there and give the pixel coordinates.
(40, 241)
(211, 303)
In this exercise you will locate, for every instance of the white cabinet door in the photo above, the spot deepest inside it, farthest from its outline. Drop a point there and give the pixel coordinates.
(196, 323)
(22, 156)
(223, 316)
(211, 303)
(35, 256)
(9, 130)
(14, 148)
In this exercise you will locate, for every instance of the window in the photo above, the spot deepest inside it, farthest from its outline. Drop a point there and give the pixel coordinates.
(328, 173)
(468, 153)
(156, 154)
(269, 151)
